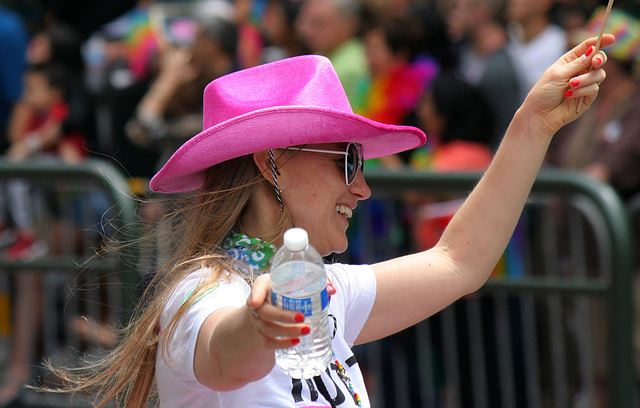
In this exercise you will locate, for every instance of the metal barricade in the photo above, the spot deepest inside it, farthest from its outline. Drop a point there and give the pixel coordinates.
(552, 327)
(80, 294)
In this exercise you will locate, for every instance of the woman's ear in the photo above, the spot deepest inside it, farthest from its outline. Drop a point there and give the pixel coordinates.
(267, 167)
(263, 162)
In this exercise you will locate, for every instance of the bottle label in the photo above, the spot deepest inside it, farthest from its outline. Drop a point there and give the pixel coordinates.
(308, 306)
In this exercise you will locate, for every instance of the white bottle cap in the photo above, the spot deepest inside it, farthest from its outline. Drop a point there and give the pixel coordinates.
(296, 239)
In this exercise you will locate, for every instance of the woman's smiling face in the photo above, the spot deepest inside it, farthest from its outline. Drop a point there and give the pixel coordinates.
(316, 195)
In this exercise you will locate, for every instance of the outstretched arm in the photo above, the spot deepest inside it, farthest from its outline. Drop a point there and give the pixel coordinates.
(236, 345)
(412, 288)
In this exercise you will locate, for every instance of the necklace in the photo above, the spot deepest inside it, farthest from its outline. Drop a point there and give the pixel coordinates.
(342, 373)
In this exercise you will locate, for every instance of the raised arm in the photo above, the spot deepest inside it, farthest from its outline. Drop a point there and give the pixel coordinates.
(412, 288)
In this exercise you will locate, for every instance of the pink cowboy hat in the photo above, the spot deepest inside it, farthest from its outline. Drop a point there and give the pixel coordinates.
(291, 102)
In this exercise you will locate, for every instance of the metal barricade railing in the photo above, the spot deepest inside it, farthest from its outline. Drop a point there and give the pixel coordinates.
(553, 327)
(75, 209)
(552, 331)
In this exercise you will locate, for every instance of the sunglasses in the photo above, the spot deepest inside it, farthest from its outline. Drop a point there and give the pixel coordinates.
(353, 160)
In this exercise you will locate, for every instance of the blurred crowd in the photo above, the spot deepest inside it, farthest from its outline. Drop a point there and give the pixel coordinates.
(125, 81)
(130, 88)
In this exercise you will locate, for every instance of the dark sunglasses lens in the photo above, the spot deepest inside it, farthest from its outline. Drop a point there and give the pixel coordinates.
(351, 163)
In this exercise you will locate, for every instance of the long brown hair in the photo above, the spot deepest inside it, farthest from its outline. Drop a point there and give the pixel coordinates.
(196, 225)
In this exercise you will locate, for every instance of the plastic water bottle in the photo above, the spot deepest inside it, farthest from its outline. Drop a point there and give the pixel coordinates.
(299, 283)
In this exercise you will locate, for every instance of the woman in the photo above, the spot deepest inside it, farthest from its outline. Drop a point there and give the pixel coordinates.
(282, 148)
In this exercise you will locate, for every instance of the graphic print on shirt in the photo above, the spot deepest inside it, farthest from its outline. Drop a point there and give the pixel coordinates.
(317, 386)
(336, 373)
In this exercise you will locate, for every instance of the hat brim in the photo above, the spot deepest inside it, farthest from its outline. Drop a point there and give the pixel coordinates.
(274, 128)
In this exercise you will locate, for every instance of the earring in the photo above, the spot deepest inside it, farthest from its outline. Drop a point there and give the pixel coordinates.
(274, 170)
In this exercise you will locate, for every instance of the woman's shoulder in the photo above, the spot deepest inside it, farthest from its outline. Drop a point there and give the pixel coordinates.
(350, 278)
(212, 280)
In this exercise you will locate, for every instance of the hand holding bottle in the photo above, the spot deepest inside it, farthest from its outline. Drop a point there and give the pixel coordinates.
(269, 318)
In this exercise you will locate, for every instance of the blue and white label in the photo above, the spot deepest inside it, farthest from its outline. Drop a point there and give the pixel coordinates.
(308, 306)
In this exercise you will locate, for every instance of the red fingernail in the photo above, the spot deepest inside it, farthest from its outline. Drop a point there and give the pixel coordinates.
(598, 61)
(305, 330)
(295, 342)
(299, 318)
(589, 51)
(575, 82)
(568, 93)
(330, 287)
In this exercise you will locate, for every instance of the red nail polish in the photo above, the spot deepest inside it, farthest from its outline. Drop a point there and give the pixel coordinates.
(295, 342)
(568, 93)
(575, 82)
(305, 330)
(589, 51)
(299, 318)
(598, 61)
(330, 287)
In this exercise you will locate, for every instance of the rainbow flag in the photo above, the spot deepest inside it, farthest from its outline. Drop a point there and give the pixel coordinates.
(624, 26)
(142, 43)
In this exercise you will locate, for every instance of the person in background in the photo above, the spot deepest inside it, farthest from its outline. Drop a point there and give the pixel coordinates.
(279, 25)
(480, 29)
(60, 45)
(331, 28)
(432, 38)
(535, 42)
(459, 124)
(171, 110)
(57, 44)
(398, 77)
(37, 133)
(248, 17)
(121, 59)
(37, 127)
(572, 15)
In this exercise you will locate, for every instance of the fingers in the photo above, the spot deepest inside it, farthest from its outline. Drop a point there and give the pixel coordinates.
(330, 289)
(599, 59)
(583, 47)
(585, 84)
(270, 313)
(277, 334)
(607, 39)
(583, 57)
(585, 63)
(279, 328)
(259, 291)
(589, 76)
(568, 87)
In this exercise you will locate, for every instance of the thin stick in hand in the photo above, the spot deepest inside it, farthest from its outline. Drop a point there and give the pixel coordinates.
(602, 28)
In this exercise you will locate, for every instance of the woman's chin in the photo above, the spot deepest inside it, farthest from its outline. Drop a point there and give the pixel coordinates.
(341, 247)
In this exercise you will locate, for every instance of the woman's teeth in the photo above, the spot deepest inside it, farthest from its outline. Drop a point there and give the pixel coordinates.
(344, 210)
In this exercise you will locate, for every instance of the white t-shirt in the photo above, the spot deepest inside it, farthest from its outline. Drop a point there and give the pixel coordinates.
(535, 56)
(348, 311)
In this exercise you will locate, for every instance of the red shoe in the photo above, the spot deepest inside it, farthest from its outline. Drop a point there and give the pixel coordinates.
(27, 247)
